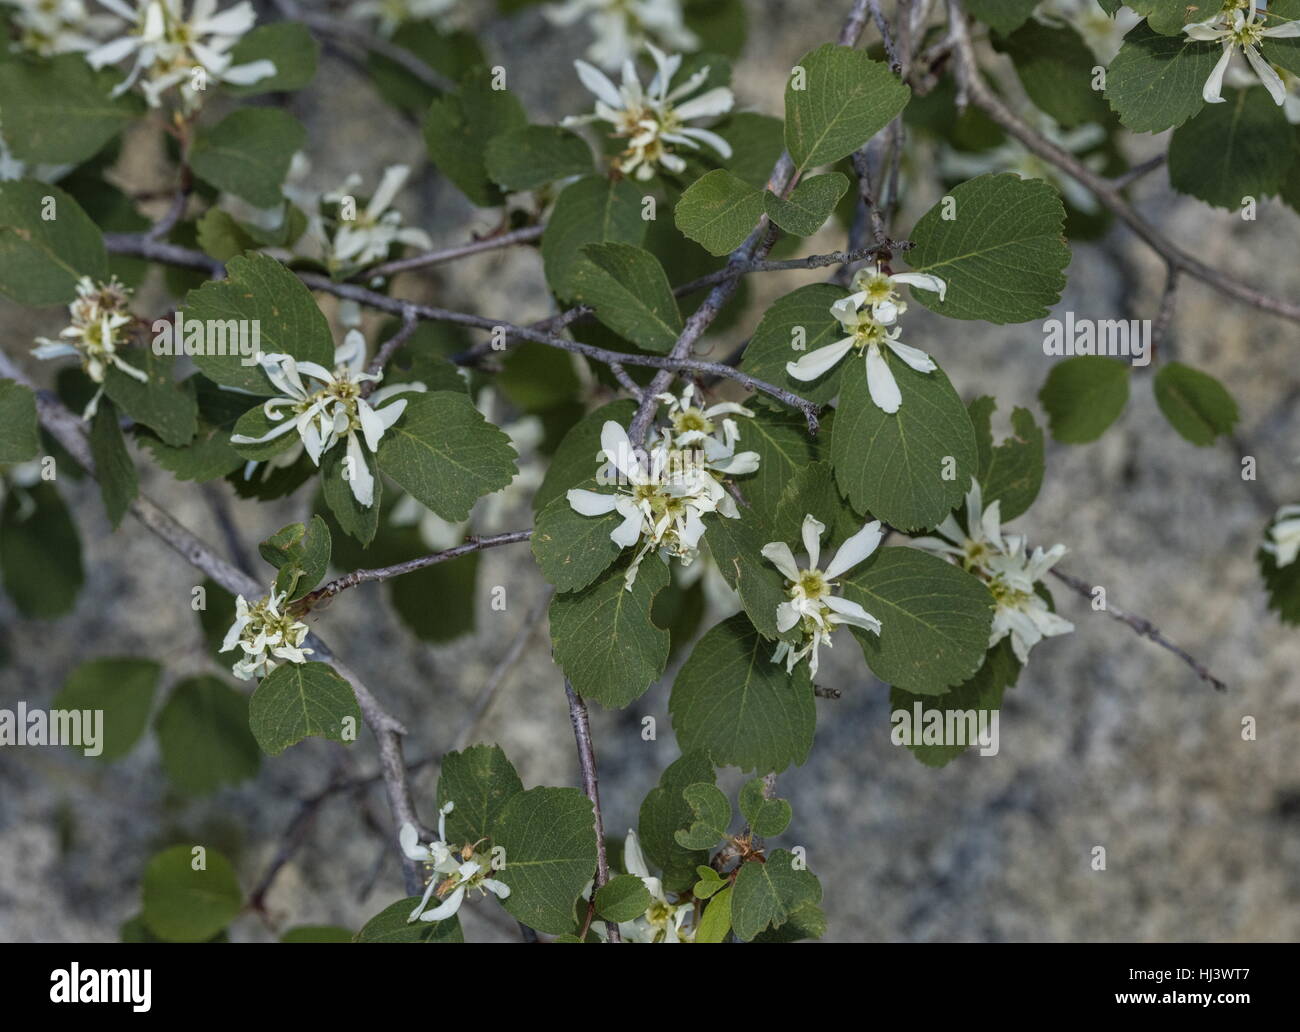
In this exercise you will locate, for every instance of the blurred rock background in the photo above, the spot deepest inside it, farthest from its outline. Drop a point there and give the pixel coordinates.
(1107, 740)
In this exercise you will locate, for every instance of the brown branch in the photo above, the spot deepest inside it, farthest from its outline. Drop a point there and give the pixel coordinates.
(972, 84)
(383, 573)
(1144, 627)
(451, 254)
(591, 786)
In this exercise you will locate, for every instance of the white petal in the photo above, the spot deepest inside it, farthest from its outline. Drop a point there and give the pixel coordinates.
(855, 549)
(717, 101)
(618, 450)
(850, 612)
(923, 281)
(880, 382)
(498, 888)
(815, 363)
(372, 426)
(787, 615)
(424, 900)
(363, 481)
(633, 858)
(393, 180)
(1214, 84)
(781, 557)
(1272, 82)
(447, 908)
(812, 531)
(247, 74)
(599, 84)
(914, 357)
(591, 503)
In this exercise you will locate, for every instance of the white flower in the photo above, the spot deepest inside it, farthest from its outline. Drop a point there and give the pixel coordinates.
(267, 636)
(811, 603)
(335, 410)
(95, 334)
(1102, 32)
(623, 27)
(662, 498)
(368, 237)
(872, 339)
(662, 921)
(392, 14)
(168, 47)
(1233, 29)
(1012, 157)
(653, 120)
(1002, 562)
(49, 27)
(454, 870)
(878, 290)
(1285, 533)
(701, 427)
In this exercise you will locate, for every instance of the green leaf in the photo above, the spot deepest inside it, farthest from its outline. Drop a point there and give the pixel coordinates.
(910, 468)
(1011, 472)
(1169, 16)
(604, 638)
(318, 933)
(982, 692)
(784, 449)
(46, 244)
(756, 143)
(1230, 151)
(257, 291)
(766, 817)
(1055, 67)
(452, 54)
(796, 324)
(1155, 82)
(204, 737)
(118, 482)
(934, 619)
(847, 98)
(1002, 15)
(446, 454)
(221, 237)
(459, 127)
(549, 837)
(573, 550)
(732, 702)
(718, 211)
(766, 894)
(393, 924)
(361, 521)
(593, 210)
(19, 438)
(209, 456)
(248, 152)
(301, 553)
(1283, 586)
(1282, 51)
(736, 547)
(1002, 254)
(629, 291)
(710, 883)
(809, 205)
(59, 110)
(479, 781)
(298, 700)
(715, 925)
(711, 816)
(534, 155)
(122, 688)
(1083, 396)
(1196, 404)
(807, 921)
(40, 552)
(622, 898)
(813, 490)
(575, 461)
(182, 904)
(664, 812)
(289, 45)
(167, 409)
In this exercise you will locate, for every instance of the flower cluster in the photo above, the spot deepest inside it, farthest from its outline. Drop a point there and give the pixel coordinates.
(96, 333)
(455, 871)
(623, 27)
(170, 48)
(812, 606)
(1284, 545)
(334, 409)
(664, 496)
(653, 120)
(663, 921)
(267, 633)
(1234, 28)
(49, 27)
(367, 238)
(869, 316)
(1004, 564)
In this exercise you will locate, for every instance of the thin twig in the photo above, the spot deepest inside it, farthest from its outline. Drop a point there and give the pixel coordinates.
(382, 573)
(1141, 625)
(1137, 172)
(591, 786)
(451, 254)
(390, 347)
(1165, 315)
